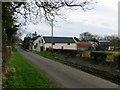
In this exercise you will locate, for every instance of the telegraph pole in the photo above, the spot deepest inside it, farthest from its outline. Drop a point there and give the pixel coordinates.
(52, 34)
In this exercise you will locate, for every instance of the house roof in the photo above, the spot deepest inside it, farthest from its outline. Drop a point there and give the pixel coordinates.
(103, 41)
(48, 39)
(83, 45)
(34, 38)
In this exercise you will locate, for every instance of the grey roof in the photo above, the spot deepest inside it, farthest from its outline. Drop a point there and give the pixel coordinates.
(103, 41)
(48, 39)
(33, 39)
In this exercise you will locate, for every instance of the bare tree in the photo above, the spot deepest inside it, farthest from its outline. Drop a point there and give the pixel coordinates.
(114, 40)
(35, 10)
(86, 36)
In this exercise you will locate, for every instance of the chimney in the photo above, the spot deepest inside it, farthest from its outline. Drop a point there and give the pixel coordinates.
(34, 35)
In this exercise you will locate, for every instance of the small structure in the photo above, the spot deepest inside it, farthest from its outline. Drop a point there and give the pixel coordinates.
(83, 46)
(103, 44)
(42, 43)
(34, 34)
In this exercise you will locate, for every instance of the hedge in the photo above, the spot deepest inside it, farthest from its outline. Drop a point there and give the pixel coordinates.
(66, 52)
(105, 56)
(99, 56)
(6, 53)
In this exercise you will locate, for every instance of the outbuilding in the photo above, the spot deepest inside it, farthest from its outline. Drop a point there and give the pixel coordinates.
(42, 43)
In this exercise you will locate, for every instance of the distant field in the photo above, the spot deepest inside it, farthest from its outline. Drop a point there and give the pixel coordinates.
(114, 52)
(23, 74)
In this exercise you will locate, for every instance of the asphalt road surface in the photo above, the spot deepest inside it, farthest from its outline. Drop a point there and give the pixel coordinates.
(64, 76)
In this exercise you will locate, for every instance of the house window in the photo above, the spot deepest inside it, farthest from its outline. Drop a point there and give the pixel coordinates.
(34, 47)
(36, 44)
(68, 43)
(42, 40)
(53, 43)
(62, 47)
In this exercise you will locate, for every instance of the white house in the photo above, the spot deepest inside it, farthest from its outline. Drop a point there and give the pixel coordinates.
(42, 43)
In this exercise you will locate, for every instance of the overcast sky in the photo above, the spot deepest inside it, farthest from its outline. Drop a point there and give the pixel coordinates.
(102, 20)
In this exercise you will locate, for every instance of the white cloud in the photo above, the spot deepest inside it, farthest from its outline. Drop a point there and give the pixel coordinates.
(103, 19)
(103, 15)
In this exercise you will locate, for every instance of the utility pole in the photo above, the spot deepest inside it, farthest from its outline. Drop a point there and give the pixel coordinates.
(52, 34)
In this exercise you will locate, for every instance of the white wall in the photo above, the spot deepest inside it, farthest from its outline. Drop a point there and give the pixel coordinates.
(39, 42)
(72, 46)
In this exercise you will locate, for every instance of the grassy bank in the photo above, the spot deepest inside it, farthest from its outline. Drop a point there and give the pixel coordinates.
(112, 52)
(22, 74)
(51, 56)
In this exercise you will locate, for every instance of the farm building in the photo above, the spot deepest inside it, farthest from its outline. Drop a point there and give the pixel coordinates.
(83, 46)
(42, 43)
(86, 45)
(103, 44)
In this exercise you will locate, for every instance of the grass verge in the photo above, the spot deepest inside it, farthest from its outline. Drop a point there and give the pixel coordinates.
(22, 74)
(112, 52)
(51, 56)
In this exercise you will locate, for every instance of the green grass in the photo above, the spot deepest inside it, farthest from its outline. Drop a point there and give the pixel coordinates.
(51, 56)
(117, 47)
(112, 52)
(23, 74)
(45, 53)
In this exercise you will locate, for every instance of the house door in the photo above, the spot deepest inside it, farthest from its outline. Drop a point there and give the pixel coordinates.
(41, 48)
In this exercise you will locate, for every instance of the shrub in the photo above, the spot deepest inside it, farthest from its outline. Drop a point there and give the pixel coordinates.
(110, 57)
(66, 52)
(100, 56)
(117, 60)
(117, 48)
(86, 54)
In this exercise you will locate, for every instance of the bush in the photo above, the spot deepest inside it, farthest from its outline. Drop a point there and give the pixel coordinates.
(66, 52)
(109, 57)
(117, 48)
(100, 56)
(86, 54)
(117, 60)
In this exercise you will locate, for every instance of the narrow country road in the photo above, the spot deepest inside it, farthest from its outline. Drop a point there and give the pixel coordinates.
(64, 76)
